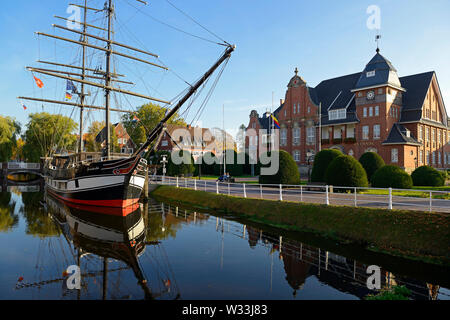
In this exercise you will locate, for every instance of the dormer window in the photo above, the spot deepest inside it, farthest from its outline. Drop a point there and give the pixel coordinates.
(370, 74)
(337, 114)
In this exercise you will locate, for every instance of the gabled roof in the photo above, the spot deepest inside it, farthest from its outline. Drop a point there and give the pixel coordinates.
(335, 93)
(416, 90)
(379, 71)
(398, 135)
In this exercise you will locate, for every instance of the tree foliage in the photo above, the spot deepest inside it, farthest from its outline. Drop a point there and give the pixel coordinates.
(149, 116)
(94, 129)
(371, 162)
(346, 171)
(46, 134)
(9, 133)
(185, 168)
(287, 171)
(427, 176)
(391, 177)
(321, 162)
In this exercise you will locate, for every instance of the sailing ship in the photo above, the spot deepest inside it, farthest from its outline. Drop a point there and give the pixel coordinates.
(108, 181)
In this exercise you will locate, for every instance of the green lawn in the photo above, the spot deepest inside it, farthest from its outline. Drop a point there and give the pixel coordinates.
(412, 193)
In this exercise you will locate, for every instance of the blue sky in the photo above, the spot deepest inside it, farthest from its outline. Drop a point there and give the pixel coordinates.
(324, 39)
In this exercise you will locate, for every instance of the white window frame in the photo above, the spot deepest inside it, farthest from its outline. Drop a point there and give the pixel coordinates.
(370, 111)
(365, 112)
(394, 155)
(365, 132)
(377, 111)
(310, 135)
(376, 131)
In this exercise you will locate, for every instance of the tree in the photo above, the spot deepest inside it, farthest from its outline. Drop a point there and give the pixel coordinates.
(427, 176)
(321, 162)
(92, 145)
(185, 168)
(46, 134)
(287, 171)
(371, 162)
(346, 171)
(391, 177)
(148, 116)
(240, 138)
(9, 132)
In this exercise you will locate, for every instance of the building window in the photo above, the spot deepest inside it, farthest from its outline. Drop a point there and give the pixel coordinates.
(380, 91)
(370, 112)
(164, 143)
(337, 114)
(439, 157)
(253, 125)
(420, 156)
(296, 134)
(394, 155)
(124, 141)
(433, 154)
(351, 131)
(427, 134)
(439, 136)
(376, 131)
(337, 133)
(119, 140)
(420, 133)
(310, 135)
(365, 112)
(283, 137)
(295, 107)
(428, 157)
(351, 153)
(370, 74)
(365, 133)
(377, 110)
(297, 155)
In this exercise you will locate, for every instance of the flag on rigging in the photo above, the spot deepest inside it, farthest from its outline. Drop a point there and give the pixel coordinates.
(24, 107)
(71, 87)
(135, 119)
(39, 82)
(68, 96)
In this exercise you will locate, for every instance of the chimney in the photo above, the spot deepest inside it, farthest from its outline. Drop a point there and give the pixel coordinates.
(281, 101)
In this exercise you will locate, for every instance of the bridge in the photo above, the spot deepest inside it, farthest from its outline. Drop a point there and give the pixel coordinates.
(8, 168)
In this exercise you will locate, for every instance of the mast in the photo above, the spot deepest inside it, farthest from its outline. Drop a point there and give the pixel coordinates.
(108, 81)
(83, 72)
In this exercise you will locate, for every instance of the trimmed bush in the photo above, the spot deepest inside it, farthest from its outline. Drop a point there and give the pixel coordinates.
(287, 172)
(186, 168)
(391, 177)
(346, 171)
(428, 176)
(321, 162)
(371, 162)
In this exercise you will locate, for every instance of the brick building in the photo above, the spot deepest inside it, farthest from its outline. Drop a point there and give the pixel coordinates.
(403, 119)
(124, 140)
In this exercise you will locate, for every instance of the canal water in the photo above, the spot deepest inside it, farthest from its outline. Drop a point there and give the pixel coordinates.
(160, 251)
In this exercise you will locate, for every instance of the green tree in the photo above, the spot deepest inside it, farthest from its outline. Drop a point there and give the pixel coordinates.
(321, 162)
(346, 171)
(427, 176)
(94, 129)
(183, 169)
(371, 162)
(287, 171)
(391, 177)
(9, 132)
(46, 134)
(149, 116)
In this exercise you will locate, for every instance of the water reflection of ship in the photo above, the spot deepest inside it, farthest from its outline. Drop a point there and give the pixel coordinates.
(301, 261)
(119, 237)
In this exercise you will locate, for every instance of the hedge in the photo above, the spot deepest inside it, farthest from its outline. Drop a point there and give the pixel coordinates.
(391, 177)
(371, 162)
(287, 171)
(321, 162)
(346, 171)
(427, 176)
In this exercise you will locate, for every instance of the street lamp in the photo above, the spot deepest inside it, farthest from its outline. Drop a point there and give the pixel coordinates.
(164, 161)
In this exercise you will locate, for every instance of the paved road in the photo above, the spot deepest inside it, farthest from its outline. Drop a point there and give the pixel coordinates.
(316, 196)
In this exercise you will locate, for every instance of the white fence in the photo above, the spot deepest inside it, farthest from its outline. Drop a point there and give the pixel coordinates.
(384, 198)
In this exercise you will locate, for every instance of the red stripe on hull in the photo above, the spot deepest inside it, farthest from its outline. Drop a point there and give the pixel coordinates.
(111, 204)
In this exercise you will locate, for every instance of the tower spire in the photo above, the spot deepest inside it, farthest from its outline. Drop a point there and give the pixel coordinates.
(296, 71)
(377, 40)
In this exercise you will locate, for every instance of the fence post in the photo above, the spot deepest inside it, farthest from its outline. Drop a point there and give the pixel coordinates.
(431, 200)
(177, 182)
(390, 199)
(260, 190)
(195, 185)
(245, 193)
(217, 187)
(301, 193)
(327, 200)
(228, 188)
(281, 193)
(356, 201)
(205, 185)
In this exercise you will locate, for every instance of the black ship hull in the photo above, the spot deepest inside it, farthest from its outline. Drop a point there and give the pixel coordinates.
(114, 183)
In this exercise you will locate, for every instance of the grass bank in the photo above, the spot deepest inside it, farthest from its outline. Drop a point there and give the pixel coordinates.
(415, 235)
